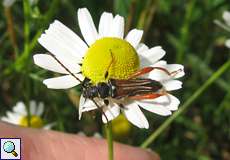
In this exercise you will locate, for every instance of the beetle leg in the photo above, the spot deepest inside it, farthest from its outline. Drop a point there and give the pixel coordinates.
(174, 73)
(146, 96)
(122, 106)
(146, 70)
(150, 95)
(141, 72)
(106, 102)
(112, 60)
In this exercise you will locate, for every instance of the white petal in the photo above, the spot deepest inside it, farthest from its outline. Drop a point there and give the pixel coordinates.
(33, 107)
(13, 117)
(58, 48)
(82, 101)
(111, 112)
(135, 116)
(62, 82)
(40, 109)
(87, 26)
(142, 47)
(6, 119)
(159, 75)
(50, 63)
(117, 27)
(226, 17)
(49, 126)
(149, 57)
(134, 37)
(89, 105)
(86, 105)
(20, 108)
(105, 23)
(172, 85)
(227, 43)
(151, 107)
(160, 63)
(81, 133)
(175, 68)
(161, 105)
(169, 101)
(60, 40)
(68, 38)
(97, 135)
(174, 102)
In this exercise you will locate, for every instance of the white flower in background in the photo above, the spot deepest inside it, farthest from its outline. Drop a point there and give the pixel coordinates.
(225, 25)
(33, 2)
(19, 115)
(106, 49)
(226, 17)
(95, 135)
(227, 43)
(8, 3)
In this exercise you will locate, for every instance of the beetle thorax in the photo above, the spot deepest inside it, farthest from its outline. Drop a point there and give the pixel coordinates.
(101, 90)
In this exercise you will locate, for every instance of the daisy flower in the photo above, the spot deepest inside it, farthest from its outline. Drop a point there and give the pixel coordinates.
(226, 17)
(8, 3)
(106, 51)
(19, 115)
(95, 135)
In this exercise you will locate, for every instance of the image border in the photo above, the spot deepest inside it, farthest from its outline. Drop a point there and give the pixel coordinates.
(20, 148)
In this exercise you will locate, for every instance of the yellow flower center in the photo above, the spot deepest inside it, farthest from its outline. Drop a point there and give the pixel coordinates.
(35, 122)
(110, 58)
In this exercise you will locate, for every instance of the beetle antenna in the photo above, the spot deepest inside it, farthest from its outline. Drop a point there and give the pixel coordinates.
(174, 73)
(112, 60)
(79, 81)
(64, 66)
(100, 109)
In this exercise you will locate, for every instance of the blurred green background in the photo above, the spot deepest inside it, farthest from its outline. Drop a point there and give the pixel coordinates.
(184, 28)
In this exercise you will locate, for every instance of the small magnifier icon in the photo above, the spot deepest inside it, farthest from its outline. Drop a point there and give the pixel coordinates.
(9, 147)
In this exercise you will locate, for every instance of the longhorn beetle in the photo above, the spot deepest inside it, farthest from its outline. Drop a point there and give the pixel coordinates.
(133, 88)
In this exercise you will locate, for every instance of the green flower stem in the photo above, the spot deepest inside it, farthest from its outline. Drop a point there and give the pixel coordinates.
(206, 71)
(129, 19)
(152, 10)
(220, 24)
(27, 102)
(10, 30)
(185, 106)
(146, 16)
(109, 136)
(26, 9)
(184, 31)
(21, 61)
